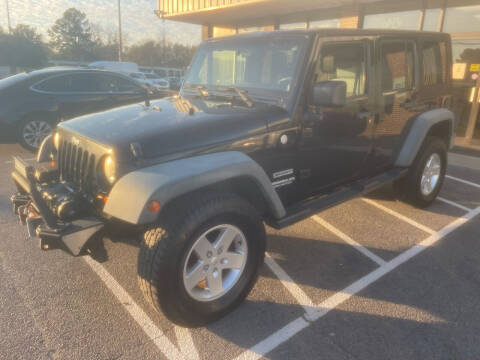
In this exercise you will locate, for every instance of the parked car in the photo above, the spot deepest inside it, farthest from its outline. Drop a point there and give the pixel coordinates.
(152, 81)
(175, 83)
(305, 120)
(123, 67)
(31, 104)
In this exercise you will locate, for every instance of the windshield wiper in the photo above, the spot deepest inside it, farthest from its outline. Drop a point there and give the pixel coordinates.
(242, 94)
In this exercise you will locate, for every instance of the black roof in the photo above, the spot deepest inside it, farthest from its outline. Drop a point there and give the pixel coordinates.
(337, 32)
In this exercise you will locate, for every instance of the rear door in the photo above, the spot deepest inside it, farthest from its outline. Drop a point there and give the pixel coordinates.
(336, 141)
(398, 102)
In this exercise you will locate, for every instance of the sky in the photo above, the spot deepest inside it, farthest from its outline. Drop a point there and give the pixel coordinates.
(139, 23)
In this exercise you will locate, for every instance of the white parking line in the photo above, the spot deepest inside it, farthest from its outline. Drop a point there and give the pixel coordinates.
(289, 284)
(349, 240)
(463, 181)
(142, 319)
(400, 216)
(291, 329)
(449, 202)
(186, 344)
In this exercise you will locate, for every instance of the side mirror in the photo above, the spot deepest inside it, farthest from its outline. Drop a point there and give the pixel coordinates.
(330, 93)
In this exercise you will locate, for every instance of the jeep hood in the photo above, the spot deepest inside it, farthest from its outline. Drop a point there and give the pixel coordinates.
(174, 125)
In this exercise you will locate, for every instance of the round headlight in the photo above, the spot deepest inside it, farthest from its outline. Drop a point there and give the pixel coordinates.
(56, 140)
(109, 169)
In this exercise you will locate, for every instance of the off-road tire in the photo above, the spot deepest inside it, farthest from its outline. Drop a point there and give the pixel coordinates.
(409, 187)
(165, 246)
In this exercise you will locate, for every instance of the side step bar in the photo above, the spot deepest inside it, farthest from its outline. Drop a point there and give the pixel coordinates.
(310, 207)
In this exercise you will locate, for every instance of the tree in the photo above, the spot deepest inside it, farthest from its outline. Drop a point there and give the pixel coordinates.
(71, 36)
(27, 32)
(18, 51)
(153, 53)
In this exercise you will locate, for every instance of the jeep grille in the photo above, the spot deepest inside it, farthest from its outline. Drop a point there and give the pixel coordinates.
(76, 166)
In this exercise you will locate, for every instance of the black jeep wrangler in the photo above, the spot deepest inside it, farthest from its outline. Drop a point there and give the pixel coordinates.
(268, 127)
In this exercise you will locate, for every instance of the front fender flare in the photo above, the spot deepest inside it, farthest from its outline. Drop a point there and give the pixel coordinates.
(129, 196)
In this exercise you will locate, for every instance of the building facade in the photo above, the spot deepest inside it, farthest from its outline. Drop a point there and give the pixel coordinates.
(460, 18)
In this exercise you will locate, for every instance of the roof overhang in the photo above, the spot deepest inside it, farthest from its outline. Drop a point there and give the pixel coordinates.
(260, 12)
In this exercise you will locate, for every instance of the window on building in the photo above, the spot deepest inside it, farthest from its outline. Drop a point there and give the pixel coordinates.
(344, 62)
(330, 23)
(300, 25)
(434, 64)
(405, 20)
(462, 19)
(431, 20)
(397, 65)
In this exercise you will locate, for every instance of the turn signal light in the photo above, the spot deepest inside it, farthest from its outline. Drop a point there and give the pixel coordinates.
(153, 206)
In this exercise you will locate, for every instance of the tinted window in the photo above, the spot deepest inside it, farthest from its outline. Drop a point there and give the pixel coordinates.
(344, 62)
(70, 83)
(125, 85)
(434, 67)
(397, 59)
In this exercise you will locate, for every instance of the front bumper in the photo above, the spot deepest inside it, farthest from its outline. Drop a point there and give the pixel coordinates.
(33, 211)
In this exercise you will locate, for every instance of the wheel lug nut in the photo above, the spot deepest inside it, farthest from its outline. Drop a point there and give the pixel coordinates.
(224, 261)
(220, 249)
(215, 272)
(209, 254)
(205, 268)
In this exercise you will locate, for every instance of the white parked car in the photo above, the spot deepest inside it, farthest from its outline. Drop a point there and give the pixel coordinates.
(151, 80)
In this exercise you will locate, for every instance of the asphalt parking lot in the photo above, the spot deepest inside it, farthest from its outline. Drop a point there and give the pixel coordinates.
(373, 278)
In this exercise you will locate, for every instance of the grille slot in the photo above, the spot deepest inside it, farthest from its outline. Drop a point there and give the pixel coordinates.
(76, 166)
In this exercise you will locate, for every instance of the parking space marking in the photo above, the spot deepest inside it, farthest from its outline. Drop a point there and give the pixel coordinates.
(279, 337)
(142, 319)
(186, 344)
(289, 284)
(349, 240)
(449, 202)
(463, 181)
(400, 216)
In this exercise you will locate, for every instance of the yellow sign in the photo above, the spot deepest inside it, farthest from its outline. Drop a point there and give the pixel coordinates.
(474, 67)
(458, 71)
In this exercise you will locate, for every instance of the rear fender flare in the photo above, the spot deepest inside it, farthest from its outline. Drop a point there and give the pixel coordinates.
(418, 132)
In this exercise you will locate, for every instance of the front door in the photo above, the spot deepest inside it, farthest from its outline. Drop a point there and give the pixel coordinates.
(336, 141)
(398, 103)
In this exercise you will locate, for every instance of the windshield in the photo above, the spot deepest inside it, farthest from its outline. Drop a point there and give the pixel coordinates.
(262, 64)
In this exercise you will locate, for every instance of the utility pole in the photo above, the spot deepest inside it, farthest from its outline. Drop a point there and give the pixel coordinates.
(119, 32)
(8, 18)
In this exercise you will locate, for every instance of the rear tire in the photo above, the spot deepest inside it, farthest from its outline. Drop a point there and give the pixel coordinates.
(425, 177)
(169, 250)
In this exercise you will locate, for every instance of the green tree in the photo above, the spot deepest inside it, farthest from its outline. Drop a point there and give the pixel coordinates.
(28, 33)
(19, 52)
(153, 53)
(71, 36)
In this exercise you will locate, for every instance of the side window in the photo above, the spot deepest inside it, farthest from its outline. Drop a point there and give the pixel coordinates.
(397, 61)
(72, 83)
(54, 84)
(112, 84)
(344, 62)
(434, 64)
(125, 85)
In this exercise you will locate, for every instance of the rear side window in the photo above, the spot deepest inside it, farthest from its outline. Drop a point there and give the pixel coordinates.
(397, 61)
(434, 63)
(344, 62)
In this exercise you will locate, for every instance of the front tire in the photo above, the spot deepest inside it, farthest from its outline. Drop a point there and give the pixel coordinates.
(201, 260)
(425, 177)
